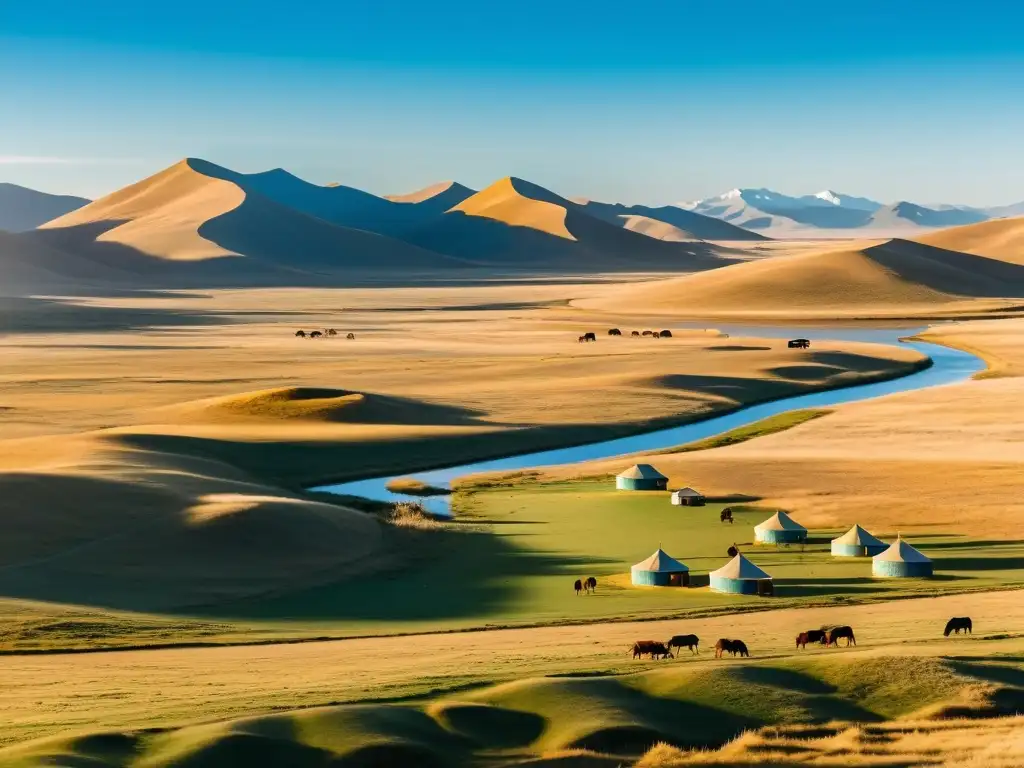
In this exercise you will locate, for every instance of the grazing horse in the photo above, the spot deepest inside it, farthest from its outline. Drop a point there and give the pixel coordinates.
(635, 333)
(315, 335)
(653, 647)
(726, 516)
(591, 584)
(300, 334)
(833, 635)
(590, 336)
(350, 336)
(732, 551)
(732, 646)
(690, 642)
(957, 623)
(810, 636)
(578, 586)
(614, 332)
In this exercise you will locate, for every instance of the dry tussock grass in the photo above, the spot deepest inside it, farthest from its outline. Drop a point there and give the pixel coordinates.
(409, 514)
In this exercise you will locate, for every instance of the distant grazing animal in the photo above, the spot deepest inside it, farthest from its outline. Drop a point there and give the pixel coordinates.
(666, 334)
(578, 586)
(730, 646)
(810, 636)
(300, 334)
(590, 336)
(833, 635)
(954, 625)
(315, 335)
(653, 647)
(635, 333)
(732, 551)
(726, 516)
(691, 642)
(647, 333)
(614, 332)
(591, 584)
(331, 332)
(350, 336)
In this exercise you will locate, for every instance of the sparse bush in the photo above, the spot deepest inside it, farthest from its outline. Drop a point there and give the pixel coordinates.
(410, 514)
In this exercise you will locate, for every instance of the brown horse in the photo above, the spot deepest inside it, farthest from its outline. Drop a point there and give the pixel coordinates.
(810, 636)
(578, 586)
(726, 515)
(690, 642)
(614, 332)
(731, 646)
(635, 333)
(653, 647)
(833, 635)
(954, 625)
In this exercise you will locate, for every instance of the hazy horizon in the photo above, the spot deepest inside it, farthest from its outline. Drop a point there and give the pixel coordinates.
(884, 102)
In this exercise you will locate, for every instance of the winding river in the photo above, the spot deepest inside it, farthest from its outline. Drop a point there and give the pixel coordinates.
(949, 366)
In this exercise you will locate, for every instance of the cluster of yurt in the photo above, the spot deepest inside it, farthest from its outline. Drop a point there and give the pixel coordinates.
(660, 570)
(741, 577)
(780, 528)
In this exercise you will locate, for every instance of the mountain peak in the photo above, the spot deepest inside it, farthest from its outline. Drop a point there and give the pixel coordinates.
(829, 197)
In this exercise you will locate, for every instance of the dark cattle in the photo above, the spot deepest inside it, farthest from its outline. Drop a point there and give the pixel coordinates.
(691, 642)
(730, 646)
(810, 636)
(350, 336)
(732, 551)
(590, 336)
(578, 586)
(315, 335)
(726, 515)
(331, 332)
(591, 584)
(833, 635)
(799, 343)
(954, 625)
(301, 334)
(635, 333)
(647, 333)
(666, 334)
(653, 647)
(614, 332)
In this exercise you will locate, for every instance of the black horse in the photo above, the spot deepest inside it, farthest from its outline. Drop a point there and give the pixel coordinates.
(957, 623)
(590, 584)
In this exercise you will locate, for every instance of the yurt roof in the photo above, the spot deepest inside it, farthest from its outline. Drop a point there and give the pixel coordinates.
(857, 536)
(900, 551)
(780, 521)
(740, 568)
(661, 563)
(642, 472)
(688, 492)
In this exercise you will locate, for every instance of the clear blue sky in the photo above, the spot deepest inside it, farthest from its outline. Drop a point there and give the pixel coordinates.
(639, 102)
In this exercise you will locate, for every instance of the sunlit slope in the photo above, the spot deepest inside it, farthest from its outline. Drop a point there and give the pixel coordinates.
(998, 239)
(889, 277)
(517, 223)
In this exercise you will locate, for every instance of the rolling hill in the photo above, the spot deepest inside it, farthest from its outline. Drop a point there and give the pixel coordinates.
(516, 223)
(998, 239)
(685, 225)
(198, 223)
(22, 209)
(437, 197)
(886, 278)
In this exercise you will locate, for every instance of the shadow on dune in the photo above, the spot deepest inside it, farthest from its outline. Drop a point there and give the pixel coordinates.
(36, 315)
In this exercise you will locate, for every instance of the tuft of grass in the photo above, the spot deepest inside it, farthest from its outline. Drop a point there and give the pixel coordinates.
(409, 514)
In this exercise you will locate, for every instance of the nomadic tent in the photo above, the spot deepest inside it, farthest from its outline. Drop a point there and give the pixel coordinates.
(641, 477)
(901, 560)
(780, 528)
(687, 497)
(740, 576)
(660, 570)
(857, 542)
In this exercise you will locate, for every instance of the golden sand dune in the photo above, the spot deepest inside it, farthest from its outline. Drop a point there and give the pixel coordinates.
(889, 277)
(444, 193)
(27, 264)
(196, 211)
(519, 223)
(313, 404)
(659, 230)
(998, 239)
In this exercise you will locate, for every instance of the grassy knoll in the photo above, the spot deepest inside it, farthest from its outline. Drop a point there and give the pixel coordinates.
(609, 717)
(516, 550)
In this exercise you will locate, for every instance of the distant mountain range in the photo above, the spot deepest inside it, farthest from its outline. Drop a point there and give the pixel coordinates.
(22, 209)
(776, 214)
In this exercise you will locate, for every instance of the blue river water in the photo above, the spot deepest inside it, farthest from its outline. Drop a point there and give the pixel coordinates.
(949, 366)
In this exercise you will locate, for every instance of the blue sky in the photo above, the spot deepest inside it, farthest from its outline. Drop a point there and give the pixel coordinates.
(644, 102)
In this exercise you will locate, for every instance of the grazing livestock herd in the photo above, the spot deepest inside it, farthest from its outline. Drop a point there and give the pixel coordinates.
(828, 637)
(300, 334)
(588, 585)
(591, 336)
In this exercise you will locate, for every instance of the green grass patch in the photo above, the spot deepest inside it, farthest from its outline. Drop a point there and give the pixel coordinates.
(769, 426)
